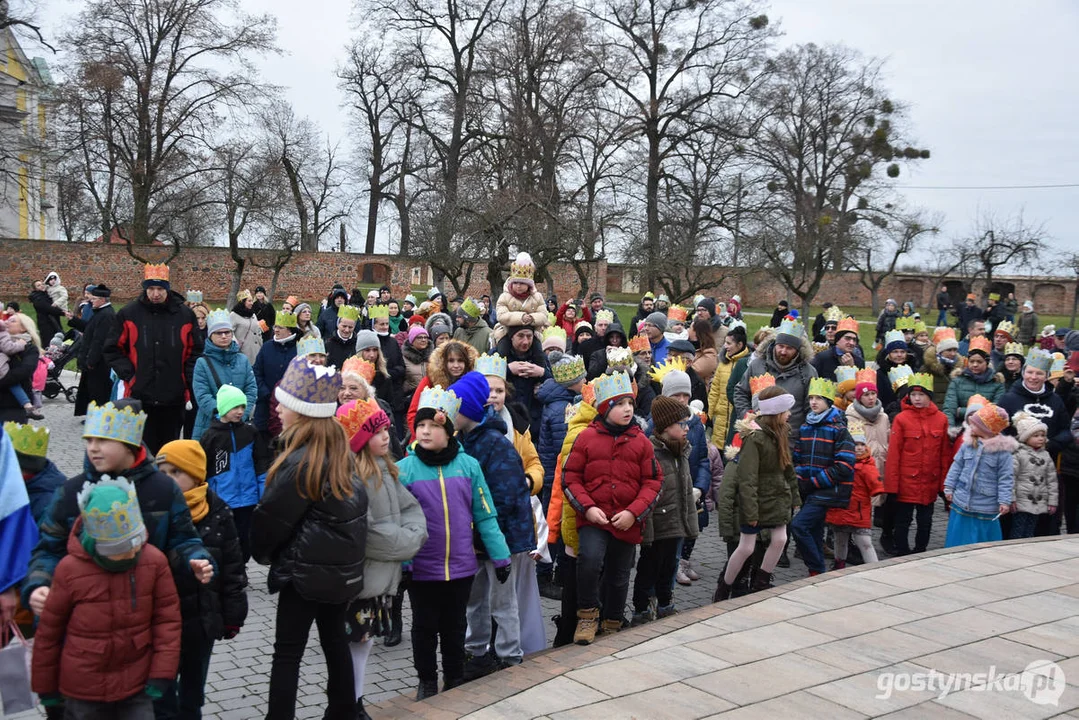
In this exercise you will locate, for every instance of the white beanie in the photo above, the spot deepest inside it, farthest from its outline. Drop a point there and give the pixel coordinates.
(1026, 425)
(675, 382)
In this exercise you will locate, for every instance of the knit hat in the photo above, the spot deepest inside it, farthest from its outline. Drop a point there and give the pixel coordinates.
(948, 343)
(156, 276)
(310, 390)
(657, 319)
(672, 377)
(438, 328)
(438, 405)
(217, 321)
(111, 516)
(1071, 341)
(568, 370)
(472, 389)
(367, 339)
(554, 338)
(666, 412)
(610, 388)
(521, 270)
(362, 420)
(1026, 425)
(416, 331)
(187, 455)
(865, 381)
(708, 304)
(989, 421)
(417, 319)
(894, 340)
(1048, 331)
(790, 332)
(228, 398)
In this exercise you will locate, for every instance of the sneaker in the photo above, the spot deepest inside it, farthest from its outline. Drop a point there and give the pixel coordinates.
(33, 414)
(681, 578)
(477, 666)
(642, 617)
(687, 568)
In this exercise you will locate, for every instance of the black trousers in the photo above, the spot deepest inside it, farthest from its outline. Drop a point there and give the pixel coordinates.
(94, 385)
(164, 423)
(603, 567)
(294, 618)
(904, 514)
(656, 569)
(567, 621)
(1069, 500)
(186, 695)
(438, 615)
(136, 707)
(242, 517)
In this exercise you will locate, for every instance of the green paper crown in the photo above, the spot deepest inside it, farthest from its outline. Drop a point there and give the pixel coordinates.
(904, 323)
(285, 319)
(27, 439)
(108, 423)
(348, 312)
(375, 312)
(568, 369)
(822, 387)
(921, 380)
(470, 308)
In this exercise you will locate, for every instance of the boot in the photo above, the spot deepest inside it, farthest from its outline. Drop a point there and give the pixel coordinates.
(642, 617)
(839, 564)
(394, 637)
(548, 588)
(666, 611)
(449, 683)
(761, 580)
(426, 689)
(687, 568)
(609, 627)
(361, 714)
(587, 625)
(477, 666)
(723, 591)
(784, 561)
(681, 577)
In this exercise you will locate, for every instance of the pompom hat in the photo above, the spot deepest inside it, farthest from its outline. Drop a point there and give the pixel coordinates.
(310, 390)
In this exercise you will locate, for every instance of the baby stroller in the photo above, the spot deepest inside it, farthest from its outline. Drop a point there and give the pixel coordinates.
(61, 356)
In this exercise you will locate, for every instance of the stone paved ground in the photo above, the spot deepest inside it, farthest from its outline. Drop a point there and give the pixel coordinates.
(239, 672)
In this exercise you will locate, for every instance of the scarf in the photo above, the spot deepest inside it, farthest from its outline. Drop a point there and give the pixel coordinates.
(282, 341)
(437, 458)
(869, 414)
(243, 311)
(981, 378)
(196, 502)
(949, 364)
(616, 430)
(101, 561)
(813, 418)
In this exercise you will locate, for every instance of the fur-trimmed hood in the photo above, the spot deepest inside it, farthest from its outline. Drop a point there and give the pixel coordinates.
(997, 443)
(932, 363)
(436, 364)
(805, 353)
(743, 428)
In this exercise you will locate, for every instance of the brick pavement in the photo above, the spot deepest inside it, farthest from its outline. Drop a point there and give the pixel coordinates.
(239, 671)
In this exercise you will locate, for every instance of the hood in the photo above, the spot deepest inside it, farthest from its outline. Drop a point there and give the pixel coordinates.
(534, 355)
(414, 355)
(52, 275)
(615, 327)
(583, 416)
(724, 358)
(435, 317)
(225, 355)
(997, 443)
(74, 545)
(550, 391)
(492, 423)
(436, 364)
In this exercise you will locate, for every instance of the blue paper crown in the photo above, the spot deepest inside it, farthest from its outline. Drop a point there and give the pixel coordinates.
(194, 296)
(1039, 359)
(217, 319)
(108, 423)
(790, 327)
(309, 344)
(899, 375)
(845, 373)
(438, 399)
(491, 365)
(611, 386)
(118, 529)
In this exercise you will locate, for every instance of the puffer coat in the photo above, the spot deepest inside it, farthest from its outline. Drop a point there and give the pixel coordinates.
(756, 488)
(919, 452)
(675, 514)
(719, 406)
(867, 485)
(552, 429)
(246, 331)
(981, 477)
(964, 386)
(230, 367)
(396, 530)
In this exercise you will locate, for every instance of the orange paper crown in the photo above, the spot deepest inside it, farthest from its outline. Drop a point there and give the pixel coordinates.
(638, 344)
(867, 375)
(995, 420)
(354, 418)
(158, 272)
(941, 333)
(758, 383)
(588, 394)
(356, 365)
(980, 344)
(977, 399)
(677, 313)
(847, 324)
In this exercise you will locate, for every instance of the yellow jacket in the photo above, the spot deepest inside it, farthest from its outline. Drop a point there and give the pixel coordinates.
(561, 517)
(522, 443)
(719, 407)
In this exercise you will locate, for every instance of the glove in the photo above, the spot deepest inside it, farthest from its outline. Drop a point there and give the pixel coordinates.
(52, 700)
(155, 688)
(696, 495)
(503, 574)
(188, 406)
(231, 631)
(879, 500)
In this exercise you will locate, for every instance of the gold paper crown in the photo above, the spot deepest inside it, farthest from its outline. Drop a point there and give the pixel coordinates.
(1056, 370)
(284, 319)
(980, 344)
(619, 357)
(108, 423)
(867, 375)
(348, 312)
(605, 314)
(609, 387)
(159, 272)
(669, 365)
(1014, 348)
(493, 365)
(942, 333)
(759, 382)
(677, 313)
(356, 365)
(833, 314)
(856, 428)
(375, 312)
(639, 343)
(243, 295)
(522, 268)
(920, 327)
(554, 332)
(27, 439)
(1006, 328)
(822, 387)
(445, 401)
(899, 376)
(847, 325)
(118, 528)
(921, 380)
(568, 369)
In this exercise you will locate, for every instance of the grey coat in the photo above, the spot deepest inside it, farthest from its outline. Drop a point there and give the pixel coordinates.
(396, 530)
(1035, 481)
(794, 379)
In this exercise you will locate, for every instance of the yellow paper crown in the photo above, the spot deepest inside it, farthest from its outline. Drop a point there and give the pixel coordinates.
(348, 312)
(285, 319)
(27, 439)
(920, 327)
(904, 323)
(670, 364)
(356, 365)
(522, 268)
(1056, 370)
(759, 382)
(605, 315)
(921, 380)
(375, 312)
(158, 272)
(109, 423)
(1014, 348)
(568, 369)
(833, 314)
(822, 387)
(471, 308)
(1006, 328)
(856, 428)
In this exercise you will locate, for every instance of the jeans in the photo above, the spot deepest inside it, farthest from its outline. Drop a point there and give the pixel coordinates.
(136, 707)
(808, 531)
(20, 395)
(904, 514)
(294, 618)
(490, 599)
(942, 318)
(438, 615)
(604, 564)
(1023, 525)
(656, 569)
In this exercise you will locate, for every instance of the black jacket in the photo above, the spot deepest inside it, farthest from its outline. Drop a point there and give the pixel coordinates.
(944, 301)
(317, 545)
(222, 603)
(265, 311)
(1046, 405)
(395, 366)
(524, 388)
(826, 362)
(153, 349)
(338, 350)
(92, 350)
(777, 317)
(48, 315)
(21, 370)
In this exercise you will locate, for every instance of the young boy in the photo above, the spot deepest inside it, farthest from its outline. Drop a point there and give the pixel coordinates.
(674, 518)
(237, 458)
(918, 459)
(216, 610)
(824, 463)
(856, 520)
(1036, 491)
(108, 643)
(611, 480)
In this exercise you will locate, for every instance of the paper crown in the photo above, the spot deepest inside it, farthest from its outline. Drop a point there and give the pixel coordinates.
(833, 314)
(610, 387)
(119, 527)
(669, 365)
(356, 365)
(309, 344)
(285, 319)
(348, 312)
(582, 325)
(309, 390)
(1056, 370)
(846, 325)
(1038, 359)
(1014, 348)
(194, 296)
(845, 373)
(361, 419)
(410, 298)
(994, 296)
(218, 320)
(942, 333)
(894, 336)
(159, 272)
(980, 344)
(856, 428)
(819, 347)
(554, 333)
(605, 316)
(108, 423)
(1006, 328)
(822, 387)
(904, 323)
(921, 380)
(493, 365)
(619, 357)
(790, 326)
(588, 394)
(639, 343)
(677, 313)
(568, 369)
(993, 418)
(920, 327)
(522, 268)
(899, 375)
(293, 301)
(471, 308)
(759, 382)
(737, 324)
(867, 376)
(243, 295)
(445, 401)
(375, 312)
(27, 439)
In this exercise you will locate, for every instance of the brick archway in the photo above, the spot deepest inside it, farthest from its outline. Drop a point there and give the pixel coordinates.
(1048, 296)
(374, 273)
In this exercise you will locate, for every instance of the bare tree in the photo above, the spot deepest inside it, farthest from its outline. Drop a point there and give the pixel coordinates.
(999, 242)
(878, 254)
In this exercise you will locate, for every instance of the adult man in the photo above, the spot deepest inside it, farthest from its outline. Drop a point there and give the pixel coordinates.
(152, 347)
(975, 328)
(472, 328)
(48, 315)
(1003, 334)
(384, 294)
(264, 310)
(782, 308)
(944, 303)
(342, 344)
(1027, 324)
(706, 310)
(654, 326)
(785, 358)
(822, 319)
(844, 352)
(94, 383)
(395, 362)
(645, 307)
(995, 314)
(527, 369)
(595, 304)
(968, 312)
(887, 319)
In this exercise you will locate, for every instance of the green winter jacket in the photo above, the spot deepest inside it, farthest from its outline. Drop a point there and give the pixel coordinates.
(766, 492)
(963, 387)
(675, 514)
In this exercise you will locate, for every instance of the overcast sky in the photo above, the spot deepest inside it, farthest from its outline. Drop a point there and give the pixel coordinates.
(990, 86)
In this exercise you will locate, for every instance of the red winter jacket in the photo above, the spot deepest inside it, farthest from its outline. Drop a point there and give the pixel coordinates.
(867, 485)
(103, 635)
(613, 473)
(919, 454)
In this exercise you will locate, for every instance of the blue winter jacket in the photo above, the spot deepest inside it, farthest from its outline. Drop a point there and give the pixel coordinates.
(232, 368)
(41, 488)
(269, 368)
(982, 476)
(505, 476)
(824, 460)
(237, 459)
(552, 430)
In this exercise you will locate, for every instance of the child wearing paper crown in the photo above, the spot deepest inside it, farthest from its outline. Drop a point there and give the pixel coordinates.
(980, 482)
(612, 480)
(457, 503)
(217, 610)
(520, 303)
(856, 520)
(396, 530)
(237, 457)
(108, 642)
(1036, 491)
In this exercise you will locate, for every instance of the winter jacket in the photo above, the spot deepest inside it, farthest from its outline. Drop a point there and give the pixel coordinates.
(675, 513)
(237, 458)
(700, 470)
(396, 530)
(826, 361)
(21, 369)
(877, 432)
(48, 315)
(164, 512)
(561, 517)
(456, 502)
(504, 472)
(704, 364)
(415, 368)
(338, 349)
(918, 454)
(941, 370)
(719, 404)
(210, 609)
(552, 429)
(92, 350)
(756, 488)
(217, 367)
(888, 399)
(478, 336)
(246, 331)
(659, 351)
(885, 322)
(964, 386)
(327, 321)
(967, 314)
(981, 478)
(613, 472)
(268, 369)
(315, 544)
(41, 488)
(646, 392)
(517, 432)
(794, 379)
(104, 635)
(524, 388)
(1028, 327)
(265, 312)
(867, 485)
(1046, 405)
(596, 355)
(511, 312)
(395, 367)
(153, 348)
(824, 459)
(1035, 481)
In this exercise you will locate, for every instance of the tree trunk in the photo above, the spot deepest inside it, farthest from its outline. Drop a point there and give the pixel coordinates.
(372, 212)
(344, 240)
(306, 243)
(652, 205)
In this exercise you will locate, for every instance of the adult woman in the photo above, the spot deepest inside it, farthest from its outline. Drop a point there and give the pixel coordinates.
(369, 349)
(21, 368)
(397, 320)
(201, 313)
(221, 363)
(310, 528)
(614, 337)
(735, 348)
(445, 366)
(706, 358)
(48, 315)
(304, 326)
(245, 326)
(416, 352)
(356, 377)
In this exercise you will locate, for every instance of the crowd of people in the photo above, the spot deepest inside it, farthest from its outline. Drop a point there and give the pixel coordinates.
(477, 455)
